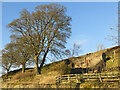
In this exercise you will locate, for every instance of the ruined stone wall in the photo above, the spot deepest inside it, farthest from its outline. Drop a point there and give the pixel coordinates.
(88, 60)
(95, 60)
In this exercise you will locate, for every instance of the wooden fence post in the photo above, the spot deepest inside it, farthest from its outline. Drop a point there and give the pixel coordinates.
(60, 79)
(87, 76)
(7, 85)
(77, 78)
(68, 78)
(100, 77)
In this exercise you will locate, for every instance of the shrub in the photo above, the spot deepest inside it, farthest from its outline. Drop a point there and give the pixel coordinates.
(22, 75)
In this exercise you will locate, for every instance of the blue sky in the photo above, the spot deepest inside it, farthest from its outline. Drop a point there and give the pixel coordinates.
(91, 21)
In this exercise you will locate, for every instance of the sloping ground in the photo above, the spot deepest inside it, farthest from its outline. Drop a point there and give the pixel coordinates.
(50, 71)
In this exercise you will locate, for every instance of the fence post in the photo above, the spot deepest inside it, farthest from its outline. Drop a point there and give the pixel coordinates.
(57, 79)
(87, 76)
(77, 78)
(7, 85)
(100, 77)
(68, 78)
(56, 85)
(60, 79)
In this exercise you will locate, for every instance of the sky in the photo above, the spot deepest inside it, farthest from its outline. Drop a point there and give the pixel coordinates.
(91, 22)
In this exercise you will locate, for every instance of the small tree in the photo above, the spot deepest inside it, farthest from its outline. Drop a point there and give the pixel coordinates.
(74, 51)
(23, 52)
(15, 54)
(100, 47)
(114, 36)
(8, 57)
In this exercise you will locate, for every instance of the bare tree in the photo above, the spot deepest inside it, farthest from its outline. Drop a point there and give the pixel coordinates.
(15, 54)
(100, 47)
(74, 51)
(23, 53)
(44, 30)
(114, 36)
(8, 57)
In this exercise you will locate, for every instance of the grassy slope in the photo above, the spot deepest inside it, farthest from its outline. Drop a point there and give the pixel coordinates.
(50, 71)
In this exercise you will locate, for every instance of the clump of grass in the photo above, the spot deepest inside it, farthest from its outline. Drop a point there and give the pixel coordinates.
(22, 75)
(88, 86)
(73, 82)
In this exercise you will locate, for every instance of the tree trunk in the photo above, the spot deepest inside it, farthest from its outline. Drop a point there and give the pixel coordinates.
(6, 75)
(41, 65)
(36, 65)
(23, 68)
(43, 61)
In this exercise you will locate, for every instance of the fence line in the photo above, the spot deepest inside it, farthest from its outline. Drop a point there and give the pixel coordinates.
(98, 76)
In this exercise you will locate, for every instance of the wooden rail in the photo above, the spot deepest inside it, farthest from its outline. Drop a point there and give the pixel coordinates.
(102, 77)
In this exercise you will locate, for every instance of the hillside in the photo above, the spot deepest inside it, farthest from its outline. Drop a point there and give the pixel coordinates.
(85, 63)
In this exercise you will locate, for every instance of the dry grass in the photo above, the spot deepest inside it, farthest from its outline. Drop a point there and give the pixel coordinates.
(60, 67)
(22, 75)
(50, 71)
(48, 78)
